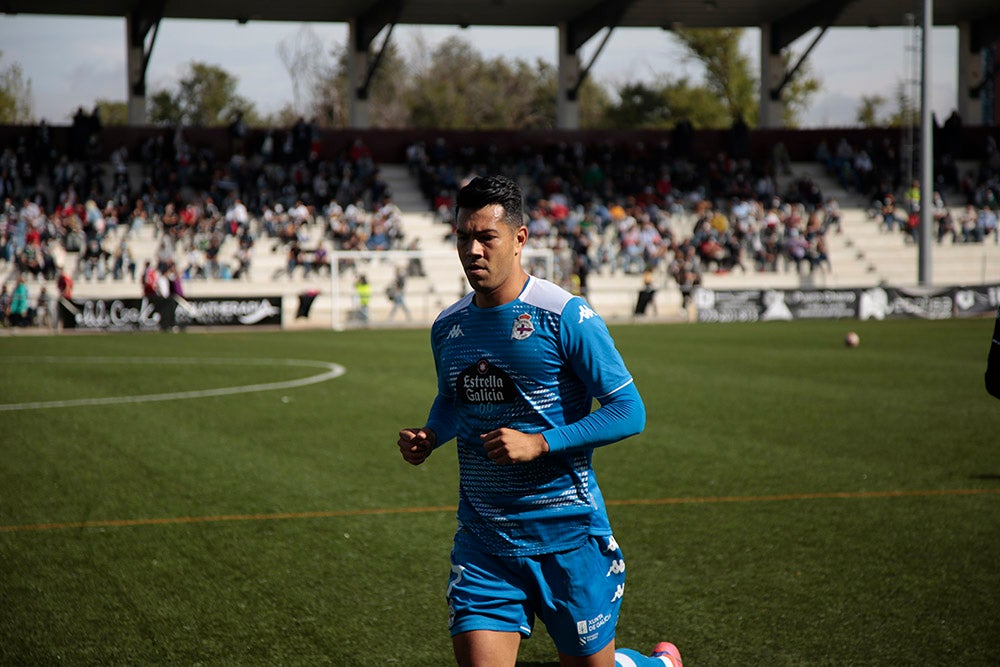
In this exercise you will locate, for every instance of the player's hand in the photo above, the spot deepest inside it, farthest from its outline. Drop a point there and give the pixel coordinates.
(416, 444)
(506, 446)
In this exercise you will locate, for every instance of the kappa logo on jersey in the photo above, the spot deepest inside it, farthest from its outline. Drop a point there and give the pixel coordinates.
(455, 332)
(586, 313)
(612, 544)
(522, 327)
(617, 567)
(483, 383)
(619, 592)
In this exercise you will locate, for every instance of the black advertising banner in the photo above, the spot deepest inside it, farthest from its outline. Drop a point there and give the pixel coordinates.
(827, 304)
(977, 300)
(230, 312)
(774, 304)
(880, 303)
(872, 303)
(728, 306)
(152, 314)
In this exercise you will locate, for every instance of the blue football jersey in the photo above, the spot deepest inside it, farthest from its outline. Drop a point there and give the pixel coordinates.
(533, 364)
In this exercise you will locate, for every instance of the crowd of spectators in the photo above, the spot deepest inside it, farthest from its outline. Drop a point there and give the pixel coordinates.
(648, 208)
(637, 208)
(661, 209)
(72, 212)
(877, 172)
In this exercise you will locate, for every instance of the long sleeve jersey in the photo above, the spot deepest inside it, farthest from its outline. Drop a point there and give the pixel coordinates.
(535, 365)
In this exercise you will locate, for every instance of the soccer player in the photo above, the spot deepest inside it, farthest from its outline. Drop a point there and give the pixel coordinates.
(519, 361)
(993, 361)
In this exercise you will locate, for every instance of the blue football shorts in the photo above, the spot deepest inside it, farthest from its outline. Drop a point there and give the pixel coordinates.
(577, 594)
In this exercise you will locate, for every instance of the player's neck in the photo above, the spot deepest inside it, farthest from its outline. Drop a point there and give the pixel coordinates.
(503, 294)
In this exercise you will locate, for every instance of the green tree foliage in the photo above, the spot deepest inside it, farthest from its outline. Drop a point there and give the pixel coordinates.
(730, 78)
(452, 86)
(799, 91)
(387, 92)
(594, 102)
(204, 97)
(906, 112)
(640, 106)
(16, 101)
(112, 112)
(460, 89)
(867, 113)
(728, 74)
(455, 87)
(646, 106)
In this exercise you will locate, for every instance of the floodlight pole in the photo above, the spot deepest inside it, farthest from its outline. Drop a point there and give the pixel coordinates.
(926, 151)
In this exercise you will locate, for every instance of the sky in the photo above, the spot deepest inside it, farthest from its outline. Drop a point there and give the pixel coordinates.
(74, 61)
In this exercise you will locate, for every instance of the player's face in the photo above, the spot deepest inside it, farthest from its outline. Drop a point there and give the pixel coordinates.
(490, 251)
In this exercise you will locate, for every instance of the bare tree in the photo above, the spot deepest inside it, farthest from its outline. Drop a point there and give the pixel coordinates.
(305, 60)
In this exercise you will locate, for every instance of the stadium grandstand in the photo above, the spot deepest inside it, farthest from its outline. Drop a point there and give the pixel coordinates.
(636, 220)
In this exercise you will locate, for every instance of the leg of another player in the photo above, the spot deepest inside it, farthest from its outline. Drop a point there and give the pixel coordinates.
(625, 657)
(603, 658)
(486, 648)
(664, 653)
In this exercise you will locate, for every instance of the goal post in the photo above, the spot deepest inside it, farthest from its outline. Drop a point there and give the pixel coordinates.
(428, 272)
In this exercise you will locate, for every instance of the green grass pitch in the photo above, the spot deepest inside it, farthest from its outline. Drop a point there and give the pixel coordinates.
(791, 501)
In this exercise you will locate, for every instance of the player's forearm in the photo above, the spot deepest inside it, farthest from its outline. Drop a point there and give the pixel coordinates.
(442, 420)
(621, 416)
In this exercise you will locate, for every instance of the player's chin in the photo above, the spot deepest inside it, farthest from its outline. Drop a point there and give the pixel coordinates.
(477, 282)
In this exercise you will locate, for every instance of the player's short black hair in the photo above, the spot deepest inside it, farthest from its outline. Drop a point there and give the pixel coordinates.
(483, 191)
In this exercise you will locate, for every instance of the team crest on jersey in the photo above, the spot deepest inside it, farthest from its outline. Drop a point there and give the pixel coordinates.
(522, 327)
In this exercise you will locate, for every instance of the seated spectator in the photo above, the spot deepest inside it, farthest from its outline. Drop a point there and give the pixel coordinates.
(943, 221)
(969, 226)
(888, 212)
(795, 250)
(244, 259)
(122, 261)
(41, 314)
(832, 215)
(320, 262)
(986, 224)
(818, 255)
(379, 239)
(31, 259)
(212, 264)
(92, 262)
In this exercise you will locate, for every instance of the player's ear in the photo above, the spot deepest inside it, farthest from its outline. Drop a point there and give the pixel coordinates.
(520, 239)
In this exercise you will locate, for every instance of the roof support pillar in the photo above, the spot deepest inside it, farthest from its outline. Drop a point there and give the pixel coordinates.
(357, 71)
(139, 23)
(772, 70)
(567, 105)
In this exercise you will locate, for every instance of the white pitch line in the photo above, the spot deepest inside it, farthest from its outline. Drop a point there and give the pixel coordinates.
(332, 371)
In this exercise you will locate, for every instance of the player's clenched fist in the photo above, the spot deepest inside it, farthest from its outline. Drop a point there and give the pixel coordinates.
(416, 444)
(506, 445)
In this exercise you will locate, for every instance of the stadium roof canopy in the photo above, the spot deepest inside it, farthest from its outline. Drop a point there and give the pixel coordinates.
(634, 13)
(781, 22)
